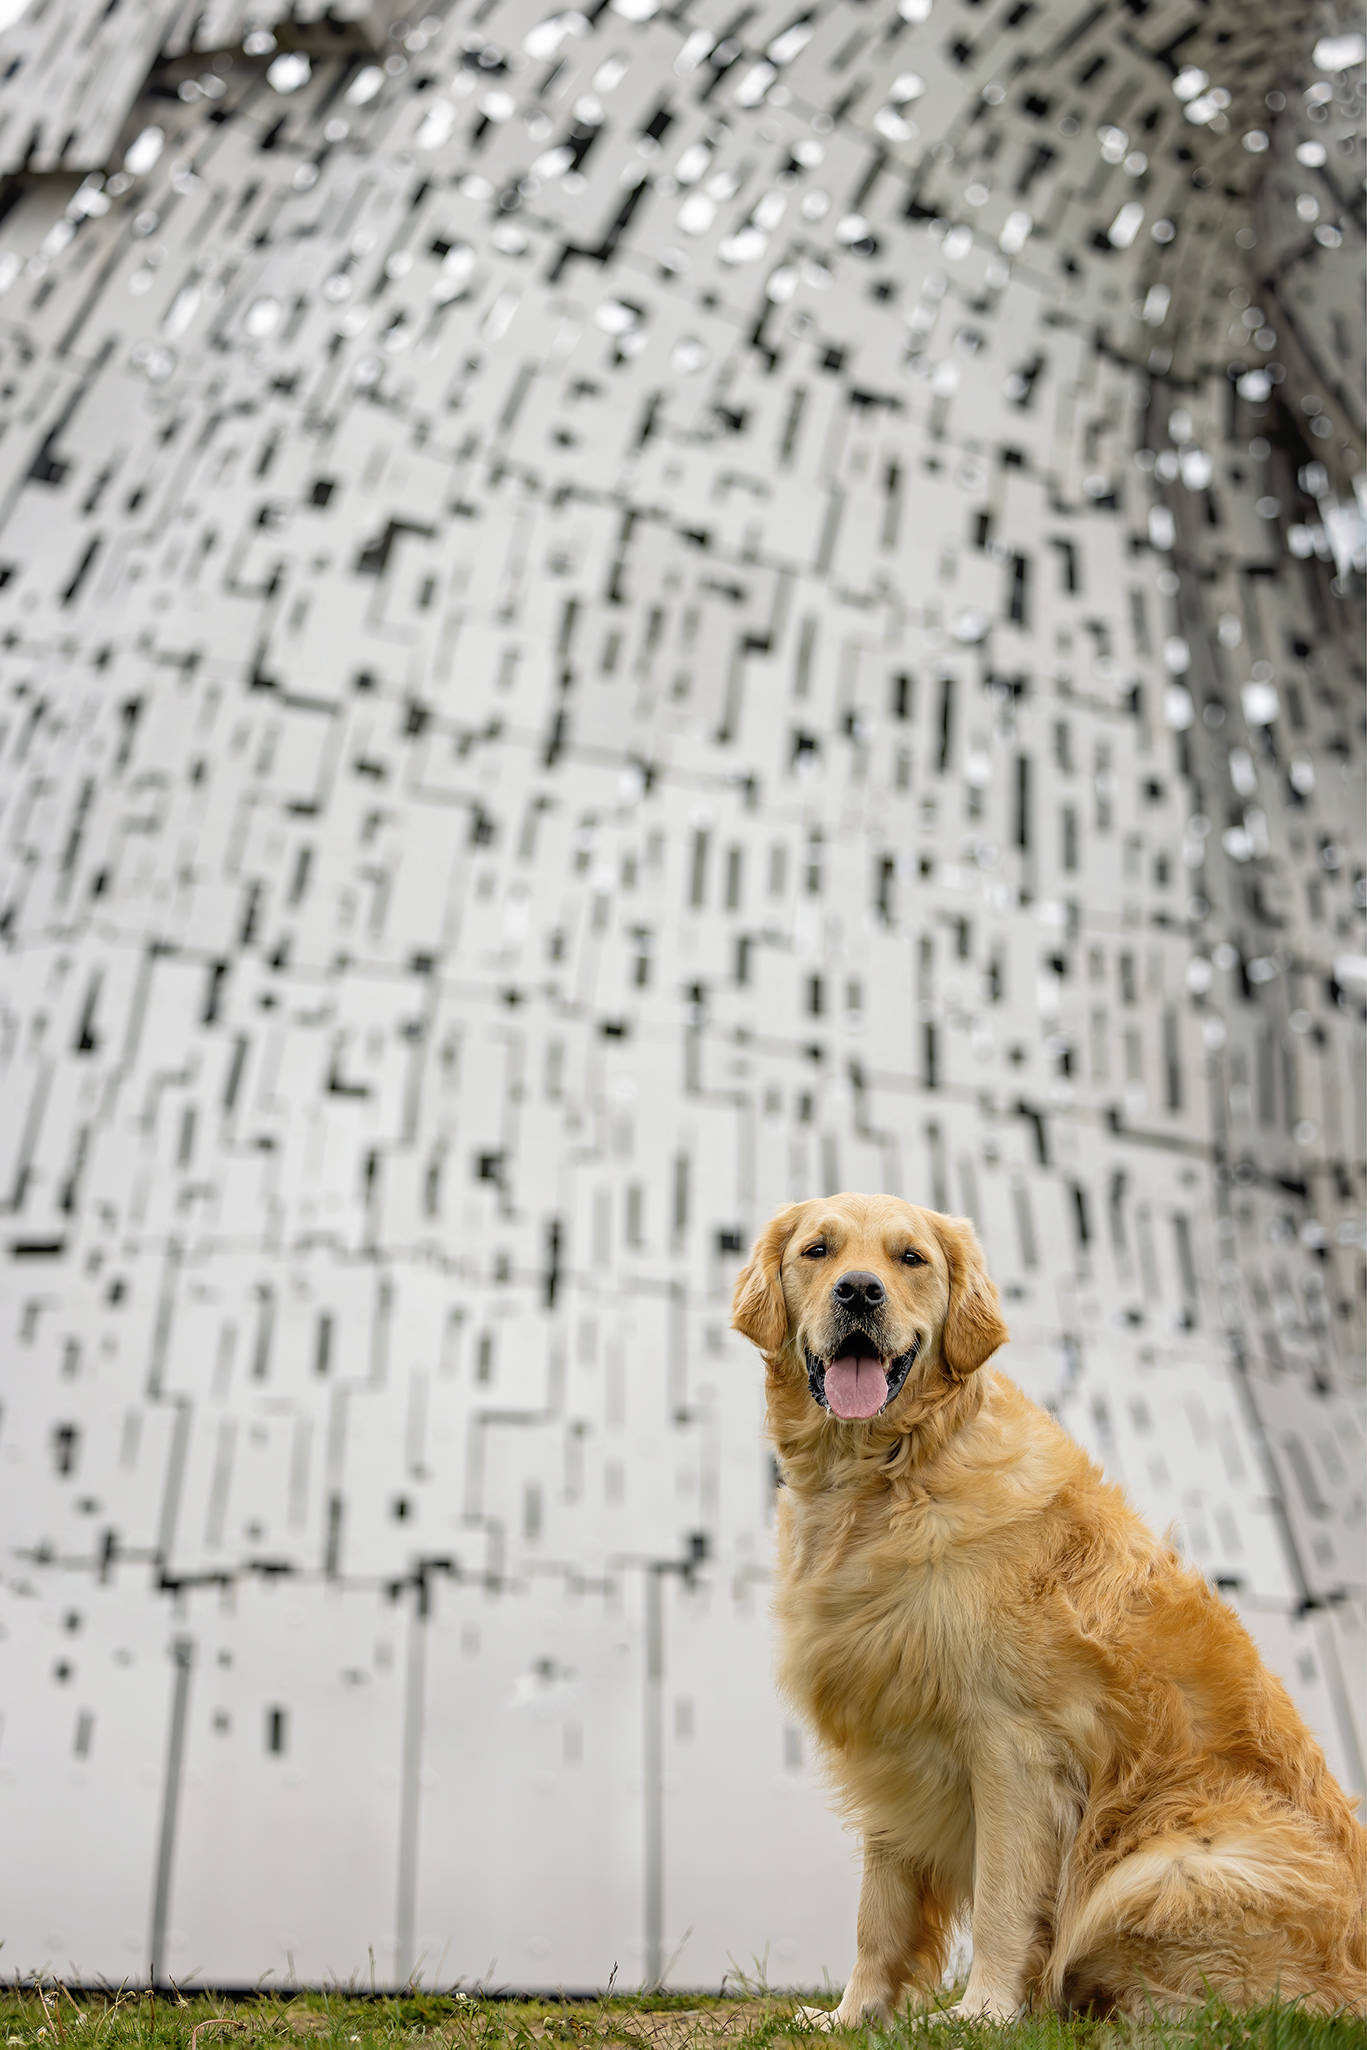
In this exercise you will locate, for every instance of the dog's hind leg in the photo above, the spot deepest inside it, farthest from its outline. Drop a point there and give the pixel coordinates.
(903, 1939)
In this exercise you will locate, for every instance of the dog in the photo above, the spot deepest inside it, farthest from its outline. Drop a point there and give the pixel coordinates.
(1032, 1710)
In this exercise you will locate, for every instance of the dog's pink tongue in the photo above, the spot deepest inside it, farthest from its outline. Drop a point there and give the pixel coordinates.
(856, 1388)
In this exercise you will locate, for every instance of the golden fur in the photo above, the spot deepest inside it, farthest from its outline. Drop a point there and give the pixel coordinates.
(1031, 1708)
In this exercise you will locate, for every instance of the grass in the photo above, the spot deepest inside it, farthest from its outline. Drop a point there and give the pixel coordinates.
(52, 2018)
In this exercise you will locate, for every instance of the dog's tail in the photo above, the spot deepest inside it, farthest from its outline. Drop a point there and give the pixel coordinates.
(1247, 1913)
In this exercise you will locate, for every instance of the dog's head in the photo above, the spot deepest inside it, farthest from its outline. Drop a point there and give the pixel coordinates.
(857, 1291)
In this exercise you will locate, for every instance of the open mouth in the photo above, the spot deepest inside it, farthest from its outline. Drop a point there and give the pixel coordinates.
(859, 1382)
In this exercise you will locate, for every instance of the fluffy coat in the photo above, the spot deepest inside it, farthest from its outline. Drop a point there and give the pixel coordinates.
(1031, 1708)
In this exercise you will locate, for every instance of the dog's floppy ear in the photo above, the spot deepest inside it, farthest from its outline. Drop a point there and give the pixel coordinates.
(758, 1310)
(973, 1322)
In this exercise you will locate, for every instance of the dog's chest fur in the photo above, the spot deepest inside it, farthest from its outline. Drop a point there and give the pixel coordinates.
(872, 1623)
(900, 1608)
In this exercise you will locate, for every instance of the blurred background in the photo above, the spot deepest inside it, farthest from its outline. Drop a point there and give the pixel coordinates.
(609, 619)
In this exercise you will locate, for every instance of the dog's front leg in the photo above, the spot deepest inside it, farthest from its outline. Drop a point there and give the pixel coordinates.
(898, 1940)
(1016, 1854)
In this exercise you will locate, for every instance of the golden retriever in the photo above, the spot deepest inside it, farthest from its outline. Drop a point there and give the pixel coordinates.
(1031, 1708)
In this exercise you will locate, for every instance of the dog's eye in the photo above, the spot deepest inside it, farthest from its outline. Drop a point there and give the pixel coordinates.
(816, 1252)
(911, 1258)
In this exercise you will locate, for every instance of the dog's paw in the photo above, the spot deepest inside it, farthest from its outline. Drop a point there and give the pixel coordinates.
(983, 2007)
(842, 2017)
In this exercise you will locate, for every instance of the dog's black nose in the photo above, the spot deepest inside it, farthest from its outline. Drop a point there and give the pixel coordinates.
(859, 1291)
